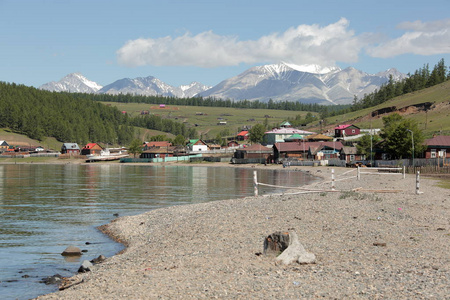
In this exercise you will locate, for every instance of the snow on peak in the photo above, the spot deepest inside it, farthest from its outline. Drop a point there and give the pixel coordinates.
(312, 68)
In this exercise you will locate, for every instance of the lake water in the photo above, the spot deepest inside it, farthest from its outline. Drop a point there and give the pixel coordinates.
(45, 208)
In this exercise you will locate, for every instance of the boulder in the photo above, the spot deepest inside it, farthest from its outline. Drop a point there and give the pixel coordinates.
(98, 260)
(71, 251)
(85, 267)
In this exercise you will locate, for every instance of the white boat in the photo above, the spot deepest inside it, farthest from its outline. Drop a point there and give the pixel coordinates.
(106, 155)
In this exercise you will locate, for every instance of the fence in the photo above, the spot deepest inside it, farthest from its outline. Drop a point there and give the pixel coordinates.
(381, 171)
(334, 180)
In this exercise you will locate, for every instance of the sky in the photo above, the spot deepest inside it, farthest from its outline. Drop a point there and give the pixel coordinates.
(209, 41)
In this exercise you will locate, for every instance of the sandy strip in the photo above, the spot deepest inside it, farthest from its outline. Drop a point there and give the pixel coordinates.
(389, 245)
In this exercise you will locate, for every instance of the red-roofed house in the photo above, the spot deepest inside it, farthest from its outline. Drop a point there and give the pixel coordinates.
(91, 148)
(243, 135)
(346, 130)
(438, 146)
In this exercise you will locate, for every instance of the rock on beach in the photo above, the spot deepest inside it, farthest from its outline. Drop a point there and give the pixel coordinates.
(364, 246)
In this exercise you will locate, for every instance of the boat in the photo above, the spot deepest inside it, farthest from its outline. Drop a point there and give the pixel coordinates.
(107, 155)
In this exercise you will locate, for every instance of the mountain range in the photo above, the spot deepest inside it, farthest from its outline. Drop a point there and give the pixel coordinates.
(279, 82)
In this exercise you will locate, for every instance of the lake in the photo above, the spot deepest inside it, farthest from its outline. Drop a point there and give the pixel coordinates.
(45, 208)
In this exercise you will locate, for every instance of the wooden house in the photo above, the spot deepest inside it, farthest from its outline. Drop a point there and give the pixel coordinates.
(349, 154)
(156, 144)
(254, 151)
(346, 130)
(306, 150)
(91, 148)
(278, 135)
(70, 148)
(162, 152)
(438, 146)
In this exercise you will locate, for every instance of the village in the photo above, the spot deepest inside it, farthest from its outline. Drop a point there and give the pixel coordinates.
(283, 145)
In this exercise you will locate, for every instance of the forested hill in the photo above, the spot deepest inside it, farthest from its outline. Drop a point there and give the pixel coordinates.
(38, 114)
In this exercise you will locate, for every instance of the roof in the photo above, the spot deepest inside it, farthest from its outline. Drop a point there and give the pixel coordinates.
(256, 147)
(3, 143)
(288, 131)
(340, 127)
(73, 146)
(300, 146)
(319, 137)
(243, 133)
(158, 144)
(349, 150)
(90, 146)
(295, 136)
(439, 140)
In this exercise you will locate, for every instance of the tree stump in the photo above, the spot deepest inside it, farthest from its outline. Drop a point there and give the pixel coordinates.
(289, 246)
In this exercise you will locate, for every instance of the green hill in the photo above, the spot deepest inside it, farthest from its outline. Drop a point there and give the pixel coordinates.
(435, 120)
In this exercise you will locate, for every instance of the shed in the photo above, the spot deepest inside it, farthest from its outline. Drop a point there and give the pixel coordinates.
(254, 151)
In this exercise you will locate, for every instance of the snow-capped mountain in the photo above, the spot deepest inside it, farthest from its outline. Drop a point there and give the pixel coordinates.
(307, 84)
(279, 82)
(73, 83)
(151, 86)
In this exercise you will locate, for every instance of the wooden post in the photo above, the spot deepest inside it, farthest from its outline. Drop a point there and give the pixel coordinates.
(332, 180)
(404, 172)
(417, 182)
(255, 183)
(358, 174)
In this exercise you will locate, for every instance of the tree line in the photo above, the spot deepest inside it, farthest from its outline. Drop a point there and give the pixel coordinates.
(38, 114)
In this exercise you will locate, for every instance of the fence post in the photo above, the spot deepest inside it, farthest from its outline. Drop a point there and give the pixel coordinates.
(255, 183)
(358, 174)
(404, 172)
(332, 180)
(417, 182)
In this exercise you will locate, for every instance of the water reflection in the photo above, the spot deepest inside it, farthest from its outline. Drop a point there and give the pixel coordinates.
(45, 208)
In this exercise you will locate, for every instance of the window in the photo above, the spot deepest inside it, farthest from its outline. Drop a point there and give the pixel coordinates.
(353, 130)
(433, 153)
(352, 157)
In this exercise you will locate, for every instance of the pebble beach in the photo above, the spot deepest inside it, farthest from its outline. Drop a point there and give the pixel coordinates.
(373, 238)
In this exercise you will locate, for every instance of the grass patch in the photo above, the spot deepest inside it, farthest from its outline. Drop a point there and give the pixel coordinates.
(444, 183)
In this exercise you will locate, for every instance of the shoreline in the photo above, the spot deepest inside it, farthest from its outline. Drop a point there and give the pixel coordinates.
(367, 245)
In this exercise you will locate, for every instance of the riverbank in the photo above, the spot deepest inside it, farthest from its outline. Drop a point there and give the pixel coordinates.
(367, 245)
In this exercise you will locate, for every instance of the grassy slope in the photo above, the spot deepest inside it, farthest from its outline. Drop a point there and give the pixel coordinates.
(436, 120)
(207, 123)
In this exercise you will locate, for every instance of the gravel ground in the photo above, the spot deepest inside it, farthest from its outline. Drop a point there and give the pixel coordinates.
(368, 245)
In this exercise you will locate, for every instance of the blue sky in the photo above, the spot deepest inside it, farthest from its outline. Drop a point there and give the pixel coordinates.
(208, 41)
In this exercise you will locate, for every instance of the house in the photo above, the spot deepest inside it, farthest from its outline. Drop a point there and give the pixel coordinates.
(233, 144)
(278, 135)
(438, 146)
(243, 135)
(156, 144)
(91, 148)
(197, 145)
(70, 148)
(294, 138)
(306, 150)
(162, 152)
(214, 147)
(349, 154)
(346, 130)
(254, 151)
(4, 146)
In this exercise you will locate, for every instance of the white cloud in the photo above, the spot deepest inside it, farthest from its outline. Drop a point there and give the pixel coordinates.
(305, 44)
(428, 38)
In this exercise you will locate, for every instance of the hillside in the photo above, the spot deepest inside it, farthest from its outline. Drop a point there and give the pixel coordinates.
(435, 120)
(205, 119)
